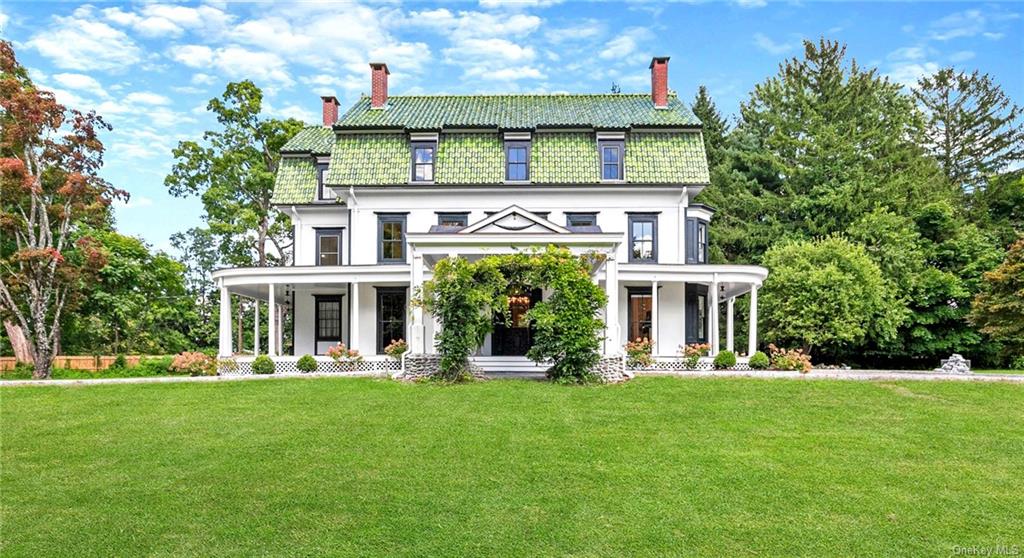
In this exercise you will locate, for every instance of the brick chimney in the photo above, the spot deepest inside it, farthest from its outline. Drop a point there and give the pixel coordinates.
(659, 81)
(330, 109)
(379, 85)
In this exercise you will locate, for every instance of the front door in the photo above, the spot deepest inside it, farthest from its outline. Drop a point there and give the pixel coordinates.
(515, 338)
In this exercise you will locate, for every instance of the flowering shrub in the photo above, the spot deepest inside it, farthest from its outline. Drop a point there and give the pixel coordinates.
(396, 349)
(693, 352)
(790, 359)
(306, 363)
(759, 361)
(638, 353)
(341, 353)
(193, 364)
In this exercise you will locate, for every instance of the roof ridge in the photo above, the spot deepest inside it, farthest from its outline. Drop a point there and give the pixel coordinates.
(434, 95)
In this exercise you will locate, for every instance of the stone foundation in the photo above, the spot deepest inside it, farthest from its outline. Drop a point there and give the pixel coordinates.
(611, 369)
(423, 365)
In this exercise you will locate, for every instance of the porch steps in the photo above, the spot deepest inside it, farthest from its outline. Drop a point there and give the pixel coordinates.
(508, 365)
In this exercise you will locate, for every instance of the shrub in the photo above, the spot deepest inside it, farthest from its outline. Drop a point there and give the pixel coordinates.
(120, 363)
(341, 353)
(759, 361)
(692, 354)
(638, 353)
(306, 363)
(1017, 363)
(396, 349)
(725, 359)
(790, 359)
(227, 366)
(155, 365)
(193, 364)
(263, 365)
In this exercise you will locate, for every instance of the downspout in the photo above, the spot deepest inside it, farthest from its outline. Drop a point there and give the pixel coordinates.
(295, 237)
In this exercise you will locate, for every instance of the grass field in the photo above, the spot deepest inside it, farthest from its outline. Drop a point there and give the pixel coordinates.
(658, 466)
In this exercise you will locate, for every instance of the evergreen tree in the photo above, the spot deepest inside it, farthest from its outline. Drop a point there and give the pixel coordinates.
(973, 129)
(715, 127)
(999, 309)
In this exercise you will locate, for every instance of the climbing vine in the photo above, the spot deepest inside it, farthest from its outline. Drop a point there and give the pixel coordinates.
(464, 296)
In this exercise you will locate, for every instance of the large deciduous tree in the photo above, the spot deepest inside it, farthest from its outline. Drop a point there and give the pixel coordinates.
(974, 130)
(50, 157)
(232, 170)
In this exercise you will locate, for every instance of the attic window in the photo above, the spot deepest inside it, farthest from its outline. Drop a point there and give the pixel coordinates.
(612, 153)
(517, 161)
(323, 193)
(423, 161)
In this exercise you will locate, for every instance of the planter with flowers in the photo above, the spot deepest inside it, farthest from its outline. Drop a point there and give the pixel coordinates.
(638, 353)
(345, 357)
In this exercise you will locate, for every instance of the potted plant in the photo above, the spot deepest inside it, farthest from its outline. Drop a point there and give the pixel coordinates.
(347, 358)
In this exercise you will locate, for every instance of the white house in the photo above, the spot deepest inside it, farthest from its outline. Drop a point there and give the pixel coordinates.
(378, 195)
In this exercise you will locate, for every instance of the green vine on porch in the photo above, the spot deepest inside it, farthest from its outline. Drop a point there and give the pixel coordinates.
(464, 296)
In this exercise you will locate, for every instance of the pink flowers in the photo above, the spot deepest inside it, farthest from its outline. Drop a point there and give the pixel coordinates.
(341, 353)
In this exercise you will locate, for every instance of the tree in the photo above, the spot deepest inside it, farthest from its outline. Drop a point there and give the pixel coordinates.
(232, 170)
(715, 127)
(817, 146)
(138, 304)
(974, 130)
(826, 296)
(50, 158)
(999, 206)
(999, 309)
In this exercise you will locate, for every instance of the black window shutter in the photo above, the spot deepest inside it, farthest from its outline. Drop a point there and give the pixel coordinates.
(691, 241)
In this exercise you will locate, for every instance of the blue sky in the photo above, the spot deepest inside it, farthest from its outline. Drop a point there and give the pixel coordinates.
(149, 68)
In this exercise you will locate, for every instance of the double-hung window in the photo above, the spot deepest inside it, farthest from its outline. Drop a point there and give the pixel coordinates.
(328, 246)
(517, 161)
(391, 237)
(643, 238)
(323, 193)
(423, 161)
(612, 154)
(696, 240)
(581, 219)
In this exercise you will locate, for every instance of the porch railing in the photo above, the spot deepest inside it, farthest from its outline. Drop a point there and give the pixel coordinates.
(370, 365)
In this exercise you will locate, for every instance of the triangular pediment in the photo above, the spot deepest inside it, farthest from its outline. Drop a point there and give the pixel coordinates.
(514, 219)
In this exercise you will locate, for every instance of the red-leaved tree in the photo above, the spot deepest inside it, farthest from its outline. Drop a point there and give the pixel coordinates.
(50, 157)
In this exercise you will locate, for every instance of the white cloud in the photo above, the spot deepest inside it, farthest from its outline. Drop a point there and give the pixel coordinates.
(79, 42)
(907, 53)
(967, 23)
(494, 59)
(292, 111)
(493, 4)
(751, 3)
(81, 82)
(961, 56)
(907, 73)
(236, 62)
(587, 29)
(203, 79)
(163, 20)
(993, 36)
(768, 45)
(146, 98)
(3, 20)
(135, 202)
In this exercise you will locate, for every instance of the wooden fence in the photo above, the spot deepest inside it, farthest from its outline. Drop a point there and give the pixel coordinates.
(90, 363)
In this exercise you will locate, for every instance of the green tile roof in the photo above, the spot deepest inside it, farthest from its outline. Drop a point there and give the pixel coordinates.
(295, 181)
(564, 158)
(666, 158)
(313, 139)
(433, 112)
(470, 159)
(370, 159)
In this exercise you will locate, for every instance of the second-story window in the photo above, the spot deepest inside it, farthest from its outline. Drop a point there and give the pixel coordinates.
(581, 219)
(643, 238)
(453, 219)
(517, 160)
(696, 241)
(423, 161)
(323, 192)
(328, 246)
(391, 238)
(612, 155)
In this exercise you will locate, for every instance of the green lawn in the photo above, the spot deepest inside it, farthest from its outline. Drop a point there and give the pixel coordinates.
(658, 466)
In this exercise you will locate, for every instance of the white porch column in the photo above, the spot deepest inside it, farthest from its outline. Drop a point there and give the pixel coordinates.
(417, 345)
(656, 350)
(728, 323)
(271, 322)
(611, 313)
(225, 322)
(682, 327)
(353, 319)
(280, 327)
(752, 348)
(256, 327)
(713, 322)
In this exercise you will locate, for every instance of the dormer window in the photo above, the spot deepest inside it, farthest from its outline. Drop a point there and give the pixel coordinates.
(612, 155)
(696, 240)
(517, 161)
(423, 161)
(323, 193)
